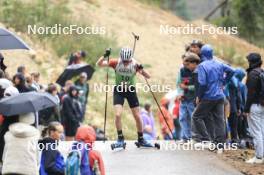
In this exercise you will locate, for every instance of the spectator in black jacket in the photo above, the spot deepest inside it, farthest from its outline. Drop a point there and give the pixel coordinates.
(20, 83)
(2, 65)
(52, 113)
(254, 108)
(71, 113)
(52, 162)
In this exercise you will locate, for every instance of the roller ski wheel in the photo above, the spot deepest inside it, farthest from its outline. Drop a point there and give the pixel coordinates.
(147, 145)
(119, 144)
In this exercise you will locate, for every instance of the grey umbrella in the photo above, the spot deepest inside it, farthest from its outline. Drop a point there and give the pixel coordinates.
(26, 102)
(10, 41)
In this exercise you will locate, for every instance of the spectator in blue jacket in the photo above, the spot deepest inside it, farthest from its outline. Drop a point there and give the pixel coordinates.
(212, 75)
(52, 161)
(243, 131)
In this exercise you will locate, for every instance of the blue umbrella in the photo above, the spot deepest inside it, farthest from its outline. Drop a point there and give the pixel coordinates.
(9, 41)
(26, 102)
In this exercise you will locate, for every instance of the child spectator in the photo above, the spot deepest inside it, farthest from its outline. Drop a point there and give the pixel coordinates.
(166, 122)
(52, 162)
(87, 135)
(148, 122)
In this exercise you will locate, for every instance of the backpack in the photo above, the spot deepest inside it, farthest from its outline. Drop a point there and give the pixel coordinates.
(261, 93)
(77, 162)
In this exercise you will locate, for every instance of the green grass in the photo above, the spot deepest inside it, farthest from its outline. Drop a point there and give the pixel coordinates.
(152, 2)
(18, 15)
(230, 54)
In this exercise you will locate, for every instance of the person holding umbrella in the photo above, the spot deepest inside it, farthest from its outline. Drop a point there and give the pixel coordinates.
(126, 69)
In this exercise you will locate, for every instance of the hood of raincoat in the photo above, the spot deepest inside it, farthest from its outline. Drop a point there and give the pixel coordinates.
(207, 52)
(86, 134)
(23, 130)
(240, 74)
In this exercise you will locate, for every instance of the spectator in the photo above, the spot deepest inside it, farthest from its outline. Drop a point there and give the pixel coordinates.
(52, 113)
(52, 161)
(7, 121)
(36, 78)
(176, 122)
(2, 65)
(166, 122)
(75, 58)
(83, 87)
(146, 114)
(2, 74)
(20, 83)
(20, 152)
(30, 85)
(235, 111)
(71, 113)
(22, 70)
(210, 101)
(242, 120)
(195, 47)
(99, 133)
(64, 90)
(254, 106)
(188, 99)
(87, 135)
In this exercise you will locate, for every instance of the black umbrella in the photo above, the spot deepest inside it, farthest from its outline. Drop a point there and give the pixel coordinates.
(74, 70)
(26, 102)
(10, 41)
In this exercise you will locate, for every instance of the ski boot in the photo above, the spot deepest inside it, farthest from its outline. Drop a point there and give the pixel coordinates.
(118, 144)
(144, 144)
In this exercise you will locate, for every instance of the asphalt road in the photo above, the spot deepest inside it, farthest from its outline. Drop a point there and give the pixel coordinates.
(169, 160)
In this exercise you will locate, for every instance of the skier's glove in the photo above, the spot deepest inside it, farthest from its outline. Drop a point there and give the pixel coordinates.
(140, 67)
(107, 52)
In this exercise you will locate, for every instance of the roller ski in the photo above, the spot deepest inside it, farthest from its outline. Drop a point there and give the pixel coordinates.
(118, 144)
(145, 144)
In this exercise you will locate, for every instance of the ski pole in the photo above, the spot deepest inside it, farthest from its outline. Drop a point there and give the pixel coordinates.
(107, 54)
(155, 99)
(136, 37)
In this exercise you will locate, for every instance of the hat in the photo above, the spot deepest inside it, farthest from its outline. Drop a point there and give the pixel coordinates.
(10, 91)
(254, 58)
(197, 42)
(28, 118)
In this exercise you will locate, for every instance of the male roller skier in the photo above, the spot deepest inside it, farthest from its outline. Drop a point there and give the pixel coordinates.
(126, 68)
